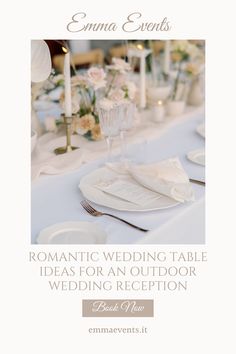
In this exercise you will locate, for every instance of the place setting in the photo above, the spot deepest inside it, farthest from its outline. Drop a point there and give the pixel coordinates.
(111, 114)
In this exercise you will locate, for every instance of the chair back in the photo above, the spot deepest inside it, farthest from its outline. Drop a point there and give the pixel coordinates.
(93, 57)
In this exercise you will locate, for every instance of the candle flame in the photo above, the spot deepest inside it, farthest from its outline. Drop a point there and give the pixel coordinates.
(139, 46)
(64, 49)
(159, 103)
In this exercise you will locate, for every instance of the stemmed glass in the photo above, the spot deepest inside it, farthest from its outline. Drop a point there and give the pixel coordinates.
(127, 118)
(110, 125)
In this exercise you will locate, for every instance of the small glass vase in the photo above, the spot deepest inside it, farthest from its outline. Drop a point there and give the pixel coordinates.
(195, 96)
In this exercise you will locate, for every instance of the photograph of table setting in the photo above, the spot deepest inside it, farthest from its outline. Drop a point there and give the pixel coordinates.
(117, 142)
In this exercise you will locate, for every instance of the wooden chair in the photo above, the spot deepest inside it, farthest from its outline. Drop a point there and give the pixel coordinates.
(93, 57)
(157, 46)
(118, 51)
(198, 42)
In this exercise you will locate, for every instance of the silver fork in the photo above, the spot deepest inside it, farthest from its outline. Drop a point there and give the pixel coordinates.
(95, 212)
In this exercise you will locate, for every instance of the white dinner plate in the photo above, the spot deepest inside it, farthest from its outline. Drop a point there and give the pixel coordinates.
(197, 156)
(72, 232)
(90, 192)
(201, 129)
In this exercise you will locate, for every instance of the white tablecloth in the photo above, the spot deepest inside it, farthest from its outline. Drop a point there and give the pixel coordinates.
(57, 198)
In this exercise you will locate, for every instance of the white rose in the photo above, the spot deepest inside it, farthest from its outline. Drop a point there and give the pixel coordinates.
(119, 65)
(96, 77)
(75, 101)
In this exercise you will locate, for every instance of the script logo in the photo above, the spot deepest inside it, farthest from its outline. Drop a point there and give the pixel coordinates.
(134, 22)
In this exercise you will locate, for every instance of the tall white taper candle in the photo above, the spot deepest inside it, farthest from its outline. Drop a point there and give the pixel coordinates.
(68, 104)
(142, 80)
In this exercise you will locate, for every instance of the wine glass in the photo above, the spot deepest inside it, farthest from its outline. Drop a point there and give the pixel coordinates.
(128, 110)
(110, 125)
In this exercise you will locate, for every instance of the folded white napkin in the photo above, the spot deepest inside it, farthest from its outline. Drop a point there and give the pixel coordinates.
(166, 177)
(45, 161)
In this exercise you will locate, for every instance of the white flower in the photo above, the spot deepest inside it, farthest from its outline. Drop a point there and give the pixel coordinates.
(194, 68)
(79, 80)
(119, 65)
(75, 101)
(185, 46)
(50, 124)
(193, 51)
(180, 45)
(117, 95)
(131, 89)
(96, 77)
(106, 104)
(57, 78)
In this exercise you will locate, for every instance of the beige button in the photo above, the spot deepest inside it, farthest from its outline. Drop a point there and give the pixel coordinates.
(118, 308)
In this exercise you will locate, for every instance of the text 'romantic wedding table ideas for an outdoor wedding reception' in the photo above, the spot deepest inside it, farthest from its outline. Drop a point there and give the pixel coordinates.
(118, 155)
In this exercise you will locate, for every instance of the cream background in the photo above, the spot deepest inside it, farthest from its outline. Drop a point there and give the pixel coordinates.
(37, 321)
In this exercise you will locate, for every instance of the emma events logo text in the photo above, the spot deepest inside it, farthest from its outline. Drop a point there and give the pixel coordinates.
(134, 22)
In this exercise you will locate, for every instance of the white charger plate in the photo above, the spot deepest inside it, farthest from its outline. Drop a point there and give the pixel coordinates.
(90, 192)
(201, 130)
(197, 156)
(72, 232)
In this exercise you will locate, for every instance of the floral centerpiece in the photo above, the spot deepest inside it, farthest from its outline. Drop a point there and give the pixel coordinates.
(87, 90)
(183, 53)
(92, 86)
(84, 95)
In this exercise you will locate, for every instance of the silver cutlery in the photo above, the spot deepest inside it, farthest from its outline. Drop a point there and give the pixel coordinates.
(202, 183)
(95, 212)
